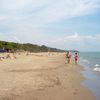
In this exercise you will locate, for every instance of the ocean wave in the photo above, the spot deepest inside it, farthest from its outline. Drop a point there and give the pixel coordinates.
(84, 60)
(96, 65)
(96, 69)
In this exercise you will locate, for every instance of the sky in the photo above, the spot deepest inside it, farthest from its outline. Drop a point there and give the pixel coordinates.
(63, 24)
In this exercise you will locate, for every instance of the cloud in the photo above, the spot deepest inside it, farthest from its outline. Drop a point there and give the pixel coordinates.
(76, 37)
(66, 9)
(27, 20)
(32, 14)
(74, 41)
(44, 11)
(78, 42)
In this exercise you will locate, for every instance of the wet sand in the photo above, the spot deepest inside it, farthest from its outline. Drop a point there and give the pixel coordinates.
(41, 76)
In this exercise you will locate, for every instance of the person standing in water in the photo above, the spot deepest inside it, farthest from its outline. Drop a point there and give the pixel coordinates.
(76, 57)
(68, 56)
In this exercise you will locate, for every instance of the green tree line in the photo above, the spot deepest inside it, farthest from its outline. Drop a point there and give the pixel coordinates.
(27, 47)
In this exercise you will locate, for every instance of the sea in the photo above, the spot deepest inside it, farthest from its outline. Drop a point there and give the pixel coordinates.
(91, 64)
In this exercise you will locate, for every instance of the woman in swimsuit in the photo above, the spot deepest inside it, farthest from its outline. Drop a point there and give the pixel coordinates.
(76, 57)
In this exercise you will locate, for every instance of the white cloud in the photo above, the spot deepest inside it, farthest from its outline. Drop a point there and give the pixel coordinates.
(54, 10)
(78, 42)
(30, 14)
(74, 41)
(19, 4)
(59, 10)
(76, 37)
(27, 19)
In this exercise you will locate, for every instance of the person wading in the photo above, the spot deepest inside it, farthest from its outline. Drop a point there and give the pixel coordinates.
(76, 57)
(68, 56)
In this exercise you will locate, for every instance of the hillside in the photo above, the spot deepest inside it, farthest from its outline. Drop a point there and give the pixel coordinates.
(27, 47)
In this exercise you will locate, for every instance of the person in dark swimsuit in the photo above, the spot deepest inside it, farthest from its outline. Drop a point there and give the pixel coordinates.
(76, 57)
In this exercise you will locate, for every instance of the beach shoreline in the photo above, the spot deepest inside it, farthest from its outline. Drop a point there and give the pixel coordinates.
(41, 76)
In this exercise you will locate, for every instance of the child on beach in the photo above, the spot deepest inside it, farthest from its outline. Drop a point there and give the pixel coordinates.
(76, 57)
(68, 56)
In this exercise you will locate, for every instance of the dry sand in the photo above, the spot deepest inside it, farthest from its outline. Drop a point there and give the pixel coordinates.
(41, 76)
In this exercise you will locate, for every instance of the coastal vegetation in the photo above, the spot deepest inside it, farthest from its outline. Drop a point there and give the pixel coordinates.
(4, 45)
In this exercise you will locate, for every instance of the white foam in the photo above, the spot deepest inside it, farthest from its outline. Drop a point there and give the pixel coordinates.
(96, 65)
(96, 69)
(86, 61)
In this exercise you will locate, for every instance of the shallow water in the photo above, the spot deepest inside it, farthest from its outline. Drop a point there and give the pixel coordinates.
(91, 63)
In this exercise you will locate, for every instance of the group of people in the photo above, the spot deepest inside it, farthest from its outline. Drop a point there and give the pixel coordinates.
(68, 57)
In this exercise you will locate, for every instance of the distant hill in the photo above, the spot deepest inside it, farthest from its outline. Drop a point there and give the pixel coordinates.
(27, 47)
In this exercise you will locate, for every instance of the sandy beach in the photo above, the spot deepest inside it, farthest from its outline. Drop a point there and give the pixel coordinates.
(41, 76)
